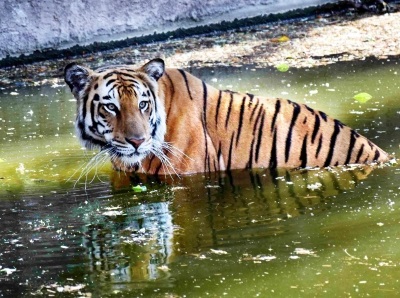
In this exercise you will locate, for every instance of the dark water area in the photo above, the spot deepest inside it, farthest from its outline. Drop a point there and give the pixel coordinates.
(246, 233)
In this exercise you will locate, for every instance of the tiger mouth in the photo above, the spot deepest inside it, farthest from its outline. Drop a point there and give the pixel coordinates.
(115, 152)
(126, 162)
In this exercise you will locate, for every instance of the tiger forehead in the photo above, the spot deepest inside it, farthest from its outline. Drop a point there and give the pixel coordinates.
(118, 87)
(124, 77)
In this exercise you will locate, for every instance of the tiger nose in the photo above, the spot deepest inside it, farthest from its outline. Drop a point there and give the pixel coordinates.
(135, 142)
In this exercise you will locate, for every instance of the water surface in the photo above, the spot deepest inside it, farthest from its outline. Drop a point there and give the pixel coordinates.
(245, 233)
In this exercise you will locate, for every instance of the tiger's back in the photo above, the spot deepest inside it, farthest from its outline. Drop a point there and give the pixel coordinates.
(247, 131)
(207, 129)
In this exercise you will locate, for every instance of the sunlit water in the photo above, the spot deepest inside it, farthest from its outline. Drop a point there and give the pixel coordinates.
(332, 232)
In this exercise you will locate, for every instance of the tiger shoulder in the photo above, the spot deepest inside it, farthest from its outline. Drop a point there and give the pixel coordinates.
(167, 121)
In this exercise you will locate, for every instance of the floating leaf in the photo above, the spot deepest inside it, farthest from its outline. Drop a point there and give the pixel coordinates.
(362, 97)
(139, 188)
(283, 67)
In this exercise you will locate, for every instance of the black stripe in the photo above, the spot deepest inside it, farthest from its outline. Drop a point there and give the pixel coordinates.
(108, 75)
(186, 82)
(250, 162)
(153, 132)
(303, 154)
(310, 109)
(371, 145)
(376, 156)
(128, 70)
(360, 152)
(257, 119)
(129, 76)
(296, 112)
(205, 102)
(110, 82)
(351, 146)
(101, 124)
(228, 167)
(324, 116)
(319, 146)
(84, 103)
(134, 82)
(251, 96)
(273, 160)
(158, 168)
(219, 154)
(332, 143)
(101, 114)
(254, 109)
(119, 73)
(92, 111)
(218, 106)
(277, 109)
(119, 90)
(240, 124)
(229, 110)
(154, 100)
(172, 91)
(317, 124)
(259, 138)
(204, 120)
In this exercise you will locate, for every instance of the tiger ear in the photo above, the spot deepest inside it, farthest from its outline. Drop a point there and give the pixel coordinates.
(76, 77)
(154, 68)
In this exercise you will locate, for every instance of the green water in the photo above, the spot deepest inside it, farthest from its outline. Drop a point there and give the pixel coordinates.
(254, 233)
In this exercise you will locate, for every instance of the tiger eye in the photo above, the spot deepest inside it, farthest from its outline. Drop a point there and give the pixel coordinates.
(143, 105)
(111, 107)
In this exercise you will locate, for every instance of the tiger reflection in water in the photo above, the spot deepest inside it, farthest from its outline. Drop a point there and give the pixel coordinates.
(193, 215)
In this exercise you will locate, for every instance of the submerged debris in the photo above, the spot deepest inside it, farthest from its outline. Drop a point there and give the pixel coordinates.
(8, 271)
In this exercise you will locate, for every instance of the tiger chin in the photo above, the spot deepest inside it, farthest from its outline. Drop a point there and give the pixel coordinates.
(166, 121)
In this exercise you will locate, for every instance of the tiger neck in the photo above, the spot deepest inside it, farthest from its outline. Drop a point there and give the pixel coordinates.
(195, 125)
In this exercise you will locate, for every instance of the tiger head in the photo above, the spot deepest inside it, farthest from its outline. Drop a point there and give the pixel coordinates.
(119, 110)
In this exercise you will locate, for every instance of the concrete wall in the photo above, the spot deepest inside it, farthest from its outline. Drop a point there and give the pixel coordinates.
(28, 25)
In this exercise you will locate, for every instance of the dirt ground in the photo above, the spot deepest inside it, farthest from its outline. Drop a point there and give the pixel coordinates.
(300, 43)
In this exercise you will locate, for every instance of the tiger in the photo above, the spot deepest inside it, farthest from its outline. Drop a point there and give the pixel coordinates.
(158, 121)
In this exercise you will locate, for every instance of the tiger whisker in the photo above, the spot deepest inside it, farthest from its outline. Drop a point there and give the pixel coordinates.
(182, 157)
(94, 162)
(165, 161)
(101, 160)
(84, 170)
(174, 150)
(81, 167)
